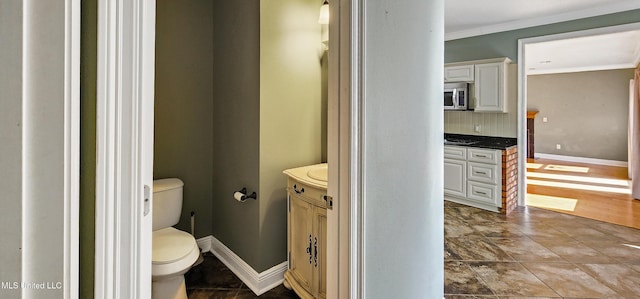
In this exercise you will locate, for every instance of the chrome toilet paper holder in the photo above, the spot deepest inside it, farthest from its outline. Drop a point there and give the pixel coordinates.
(245, 196)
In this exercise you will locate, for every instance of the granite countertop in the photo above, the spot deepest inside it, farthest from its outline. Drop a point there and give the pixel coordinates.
(491, 142)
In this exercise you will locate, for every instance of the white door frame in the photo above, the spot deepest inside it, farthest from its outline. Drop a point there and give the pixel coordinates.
(126, 37)
(344, 243)
(522, 91)
(124, 141)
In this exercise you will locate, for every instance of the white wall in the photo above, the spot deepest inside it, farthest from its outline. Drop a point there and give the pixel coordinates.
(587, 113)
(402, 148)
(11, 144)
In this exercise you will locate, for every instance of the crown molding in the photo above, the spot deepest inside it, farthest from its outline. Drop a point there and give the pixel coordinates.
(539, 21)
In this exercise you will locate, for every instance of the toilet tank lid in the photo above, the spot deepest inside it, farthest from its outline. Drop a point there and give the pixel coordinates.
(166, 184)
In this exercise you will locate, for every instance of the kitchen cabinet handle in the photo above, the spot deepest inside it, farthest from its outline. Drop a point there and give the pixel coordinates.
(479, 192)
(295, 188)
(481, 156)
(309, 250)
(315, 246)
(480, 172)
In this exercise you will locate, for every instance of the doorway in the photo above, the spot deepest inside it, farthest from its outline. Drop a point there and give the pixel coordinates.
(568, 138)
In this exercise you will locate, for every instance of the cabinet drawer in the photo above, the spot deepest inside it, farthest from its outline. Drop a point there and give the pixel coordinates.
(480, 172)
(455, 152)
(484, 156)
(485, 193)
(308, 193)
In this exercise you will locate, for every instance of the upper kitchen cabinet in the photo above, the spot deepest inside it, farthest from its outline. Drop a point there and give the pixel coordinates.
(459, 73)
(490, 90)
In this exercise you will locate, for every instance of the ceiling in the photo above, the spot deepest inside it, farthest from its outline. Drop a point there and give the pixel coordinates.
(464, 18)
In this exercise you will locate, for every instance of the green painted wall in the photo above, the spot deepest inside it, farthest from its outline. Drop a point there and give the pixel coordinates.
(236, 116)
(183, 139)
(267, 117)
(291, 109)
(505, 44)
(88, 76)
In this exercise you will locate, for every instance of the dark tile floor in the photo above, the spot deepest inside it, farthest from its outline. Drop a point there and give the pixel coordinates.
(535, 253)
(212, 279)
(532, 253)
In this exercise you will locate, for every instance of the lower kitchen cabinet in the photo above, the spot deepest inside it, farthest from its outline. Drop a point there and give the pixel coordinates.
(473, 176)
(307, 234)
(455, 177)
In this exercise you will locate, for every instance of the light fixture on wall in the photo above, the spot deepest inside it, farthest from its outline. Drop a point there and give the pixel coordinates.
(323, 20)
(324, 13)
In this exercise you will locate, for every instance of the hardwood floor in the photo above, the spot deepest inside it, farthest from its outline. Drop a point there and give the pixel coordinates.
(593, 191)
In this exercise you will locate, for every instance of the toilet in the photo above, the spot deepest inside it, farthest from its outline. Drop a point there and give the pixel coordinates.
(174, 251)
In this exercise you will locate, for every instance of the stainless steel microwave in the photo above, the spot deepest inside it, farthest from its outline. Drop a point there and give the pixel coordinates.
(456, 96)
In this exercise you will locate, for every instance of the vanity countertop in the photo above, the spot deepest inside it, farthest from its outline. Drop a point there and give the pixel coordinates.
(314, 175)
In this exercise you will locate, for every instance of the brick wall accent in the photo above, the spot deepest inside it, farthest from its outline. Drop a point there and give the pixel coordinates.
(509, 180)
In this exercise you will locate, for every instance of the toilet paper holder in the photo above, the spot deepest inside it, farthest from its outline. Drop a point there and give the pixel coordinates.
(245, 196)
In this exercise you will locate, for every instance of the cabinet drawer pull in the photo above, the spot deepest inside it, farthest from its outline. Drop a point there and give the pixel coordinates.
(481, 156)
(480, 172)
(295, 188)
(480, 192)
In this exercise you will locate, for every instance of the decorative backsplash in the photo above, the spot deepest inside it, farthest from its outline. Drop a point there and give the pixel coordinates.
(491, 124)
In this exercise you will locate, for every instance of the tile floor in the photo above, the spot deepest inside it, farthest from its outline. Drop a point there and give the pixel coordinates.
(535, 253)
(532, 253)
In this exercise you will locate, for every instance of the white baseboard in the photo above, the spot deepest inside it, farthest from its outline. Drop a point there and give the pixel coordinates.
(205, 243)
(259, 283)
(581, 160)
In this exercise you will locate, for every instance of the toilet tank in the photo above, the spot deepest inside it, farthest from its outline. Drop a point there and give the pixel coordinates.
(167, 202)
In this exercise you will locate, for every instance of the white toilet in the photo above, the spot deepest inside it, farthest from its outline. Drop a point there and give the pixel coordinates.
(174, 251)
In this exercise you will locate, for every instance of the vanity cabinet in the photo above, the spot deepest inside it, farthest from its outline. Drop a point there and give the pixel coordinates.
(306, 235)
(490, 90)
(459, 73)
(473, 176)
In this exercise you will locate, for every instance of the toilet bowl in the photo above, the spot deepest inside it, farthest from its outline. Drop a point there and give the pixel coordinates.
(174, 251)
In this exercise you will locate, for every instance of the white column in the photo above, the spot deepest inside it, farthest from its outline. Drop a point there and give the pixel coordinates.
(402, 57)
(50, 149)
(39, 150)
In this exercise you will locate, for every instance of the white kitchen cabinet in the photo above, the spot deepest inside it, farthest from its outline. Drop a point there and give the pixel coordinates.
(455, 171)
(473, 176)
(306, 234)
(484, 193)
(459, 73)
(455, 177)
(481, 172)
(490, 86)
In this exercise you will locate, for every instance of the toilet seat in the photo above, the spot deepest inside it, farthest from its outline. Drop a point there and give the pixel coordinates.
(173, 251)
